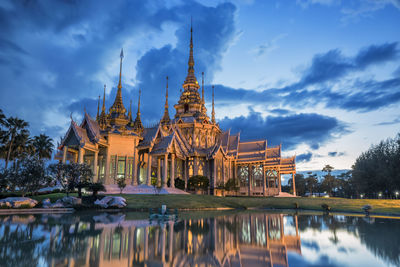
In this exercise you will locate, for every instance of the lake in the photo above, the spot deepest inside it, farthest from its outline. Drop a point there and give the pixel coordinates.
(199, 239)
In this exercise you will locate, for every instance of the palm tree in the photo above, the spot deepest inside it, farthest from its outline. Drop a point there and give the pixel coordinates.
(43, 146)
(2, 117)
(14, 127)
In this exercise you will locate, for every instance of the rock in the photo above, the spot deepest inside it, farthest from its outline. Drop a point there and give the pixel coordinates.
(16, 202)
(111, 202)
(117, 202)
(69, 201)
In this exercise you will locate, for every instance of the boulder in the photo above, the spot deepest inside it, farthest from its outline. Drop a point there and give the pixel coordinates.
(16, 202)
(111, 202)
(68, 202)
(117, 202)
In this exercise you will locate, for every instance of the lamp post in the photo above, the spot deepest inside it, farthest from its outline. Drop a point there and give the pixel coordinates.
(397, 194)
(380, 195)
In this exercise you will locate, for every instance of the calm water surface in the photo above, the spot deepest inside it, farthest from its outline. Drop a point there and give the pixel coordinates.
(235, 239)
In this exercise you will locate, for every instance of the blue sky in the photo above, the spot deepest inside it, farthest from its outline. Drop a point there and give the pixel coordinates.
(322, 77)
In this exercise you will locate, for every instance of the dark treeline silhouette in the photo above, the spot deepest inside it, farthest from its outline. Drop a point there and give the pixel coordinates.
(16, 142)
(375, 174)
(377, 170)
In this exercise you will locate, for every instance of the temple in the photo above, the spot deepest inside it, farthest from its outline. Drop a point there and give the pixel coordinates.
(188, 144)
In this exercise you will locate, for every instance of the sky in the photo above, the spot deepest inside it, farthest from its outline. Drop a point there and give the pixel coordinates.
(320, 77)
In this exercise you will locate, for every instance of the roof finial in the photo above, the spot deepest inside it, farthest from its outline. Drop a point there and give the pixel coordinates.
(98, 109)
(138, 107)
(103, 108)
(213, 110)
(117, 110)
(191, 81)
(130, 111)
(137, 125)
(165, 119)
(202, 87)
(120, 68)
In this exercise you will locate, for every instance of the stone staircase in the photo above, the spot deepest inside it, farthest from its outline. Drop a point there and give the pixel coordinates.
(142, 189)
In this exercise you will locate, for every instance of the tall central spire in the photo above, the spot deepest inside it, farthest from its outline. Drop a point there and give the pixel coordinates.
(191, 81)
(117, 110)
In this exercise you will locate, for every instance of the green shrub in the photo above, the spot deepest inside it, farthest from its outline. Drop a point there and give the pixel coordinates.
(198, 182)
(95, 188)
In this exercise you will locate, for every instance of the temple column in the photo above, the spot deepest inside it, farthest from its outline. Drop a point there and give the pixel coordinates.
(172, 175)
(148, 180)
(81, 153)
(249, 179)
(107, 168)
(95, 163)
(185, 176)
(165, 171)
(264, 193)
(195, 166)
(135, 178)
(158, 171)
(294, 184)
(279, 181)
(214, 179)
(65, 150)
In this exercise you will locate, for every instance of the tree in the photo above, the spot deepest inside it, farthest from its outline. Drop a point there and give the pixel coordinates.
(29, 176)
(15, 128)
(59, 172)
(232, 185)
(378, 169)
(43, 146)
(95, 188)
(329, 182)
(121, 184)
(311, 183)
(328, 168)
(300, 184)
(81, 176)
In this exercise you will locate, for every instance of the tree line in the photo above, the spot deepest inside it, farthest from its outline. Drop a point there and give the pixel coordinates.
(25, 158)
(375, 174)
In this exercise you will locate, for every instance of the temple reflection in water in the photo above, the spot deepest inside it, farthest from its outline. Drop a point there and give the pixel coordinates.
(240, 240)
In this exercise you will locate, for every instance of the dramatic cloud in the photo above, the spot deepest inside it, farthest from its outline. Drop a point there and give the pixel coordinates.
(76, 47)
(292, 130)
(306, 157)
(316, 85)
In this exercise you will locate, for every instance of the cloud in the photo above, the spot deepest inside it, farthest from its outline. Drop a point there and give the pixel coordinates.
(57, 55)
(336, 154)
(364, 8)
(317, 83)
(268, 46)
(291, 130)
(305, 157)
(395, 121)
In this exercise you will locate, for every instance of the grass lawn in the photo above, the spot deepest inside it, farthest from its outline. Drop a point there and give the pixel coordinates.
(144, 202)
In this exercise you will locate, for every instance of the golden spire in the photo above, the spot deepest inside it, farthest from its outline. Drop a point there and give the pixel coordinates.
(103, 108)
(137, 125)
(98, 109)
(165, 119)
(191, 80)
(213, 111)
(117, 110)
(120, 68)
(103, 117)
(130, 111)
(203, 107)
